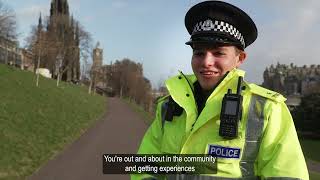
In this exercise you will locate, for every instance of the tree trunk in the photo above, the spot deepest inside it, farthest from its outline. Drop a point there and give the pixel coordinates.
(7, 54)
(38, 65)
(90, 87)
(58, 79)
(121, 92)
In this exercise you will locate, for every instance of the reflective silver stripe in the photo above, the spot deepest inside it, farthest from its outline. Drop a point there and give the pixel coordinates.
(282, 178)
(253, 135)
(254, 131)
(202, 177)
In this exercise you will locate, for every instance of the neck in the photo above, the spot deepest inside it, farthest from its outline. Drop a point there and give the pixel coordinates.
(207, 93)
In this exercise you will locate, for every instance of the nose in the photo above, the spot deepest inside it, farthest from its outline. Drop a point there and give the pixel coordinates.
(208, 60)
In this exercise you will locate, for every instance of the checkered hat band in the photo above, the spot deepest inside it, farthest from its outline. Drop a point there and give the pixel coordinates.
(219, 26)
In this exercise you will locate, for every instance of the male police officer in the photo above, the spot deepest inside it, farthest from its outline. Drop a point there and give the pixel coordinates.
(251, 132)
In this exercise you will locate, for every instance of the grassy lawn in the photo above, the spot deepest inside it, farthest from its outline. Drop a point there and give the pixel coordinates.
(314, 176)
(37, 122)
(310, 149)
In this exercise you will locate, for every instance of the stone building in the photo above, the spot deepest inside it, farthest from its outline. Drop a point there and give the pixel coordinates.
(97, 55)
(10, 52)
(100, 73)
(97, 67)
(60, 42)
(292, 81)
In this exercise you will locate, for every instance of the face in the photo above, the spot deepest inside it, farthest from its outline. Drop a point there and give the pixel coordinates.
(210, 64)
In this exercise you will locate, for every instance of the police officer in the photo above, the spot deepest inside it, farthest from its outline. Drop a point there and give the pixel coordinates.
(260, 141)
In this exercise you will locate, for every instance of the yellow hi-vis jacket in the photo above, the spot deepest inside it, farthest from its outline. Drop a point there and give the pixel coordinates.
(267, 139)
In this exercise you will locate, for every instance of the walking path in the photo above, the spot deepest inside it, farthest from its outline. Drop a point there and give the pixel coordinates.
(120, 131)
(313, 166)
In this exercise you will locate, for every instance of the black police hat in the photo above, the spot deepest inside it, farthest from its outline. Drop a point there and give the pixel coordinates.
(217, 22)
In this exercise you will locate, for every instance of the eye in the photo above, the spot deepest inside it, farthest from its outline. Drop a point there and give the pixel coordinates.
(198, 53)
(219, 53)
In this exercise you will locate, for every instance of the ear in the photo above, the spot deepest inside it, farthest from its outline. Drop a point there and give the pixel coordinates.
(242, 56)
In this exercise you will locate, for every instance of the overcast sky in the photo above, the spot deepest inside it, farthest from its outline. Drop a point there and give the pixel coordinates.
(152, 31)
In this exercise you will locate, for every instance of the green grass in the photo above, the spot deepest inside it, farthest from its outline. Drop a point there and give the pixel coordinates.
(37, 122)
(310, 149)
(314, 175)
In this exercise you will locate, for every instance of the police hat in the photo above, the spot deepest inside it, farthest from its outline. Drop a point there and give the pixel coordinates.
(217, 22)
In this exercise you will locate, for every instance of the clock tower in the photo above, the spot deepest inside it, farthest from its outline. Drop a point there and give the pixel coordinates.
(97, 56)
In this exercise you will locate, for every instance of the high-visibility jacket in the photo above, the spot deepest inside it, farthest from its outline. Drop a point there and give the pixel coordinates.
(267, 139)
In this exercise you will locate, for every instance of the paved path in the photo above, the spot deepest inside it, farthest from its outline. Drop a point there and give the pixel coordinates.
(313, 166)
(120, 131)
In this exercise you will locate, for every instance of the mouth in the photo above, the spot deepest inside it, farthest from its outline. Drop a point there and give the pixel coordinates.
(209, 73)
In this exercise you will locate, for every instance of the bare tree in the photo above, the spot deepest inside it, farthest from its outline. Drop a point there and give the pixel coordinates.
(86, 49)
(31, 38)
(85, 69)
(127, 80)
(41, 46)
(85, 41)
(8, 23)
(35, 45)
(93, 78)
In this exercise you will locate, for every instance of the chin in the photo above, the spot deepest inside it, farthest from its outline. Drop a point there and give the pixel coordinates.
(207, 86)
(207, 83)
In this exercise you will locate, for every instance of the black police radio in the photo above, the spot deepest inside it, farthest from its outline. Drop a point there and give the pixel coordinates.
(173, 109)
(231, 113)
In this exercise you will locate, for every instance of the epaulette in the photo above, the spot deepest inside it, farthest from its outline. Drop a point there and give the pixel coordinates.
(258, 90)
(169, 108)
(162, 98)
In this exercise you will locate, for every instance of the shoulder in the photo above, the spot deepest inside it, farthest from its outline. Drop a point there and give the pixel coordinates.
(162, 99)
(266, 93)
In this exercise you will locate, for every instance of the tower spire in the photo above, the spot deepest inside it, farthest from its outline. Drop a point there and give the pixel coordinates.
(40, 23)
(59, 7)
